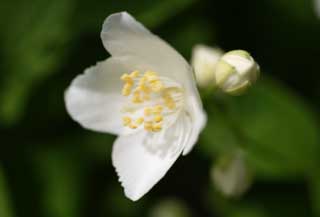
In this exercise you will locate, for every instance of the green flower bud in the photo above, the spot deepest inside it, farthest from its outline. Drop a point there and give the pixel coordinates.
(236, 71)
(317, 7)
(231, 175)
(170, 207)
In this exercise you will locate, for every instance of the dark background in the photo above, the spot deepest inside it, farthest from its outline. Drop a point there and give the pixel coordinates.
(50, 166)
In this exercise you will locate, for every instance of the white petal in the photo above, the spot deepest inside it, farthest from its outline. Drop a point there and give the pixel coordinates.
(198, 118)
(122, 35)
(94, 98)
(142, 159)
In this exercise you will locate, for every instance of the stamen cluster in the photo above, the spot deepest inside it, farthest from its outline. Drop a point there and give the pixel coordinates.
(142, 88)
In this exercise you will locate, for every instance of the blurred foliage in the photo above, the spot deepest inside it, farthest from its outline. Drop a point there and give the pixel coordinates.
(52, 167)
(5, 205)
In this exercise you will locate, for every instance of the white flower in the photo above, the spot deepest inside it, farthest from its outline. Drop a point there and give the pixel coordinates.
(204, 60)
(236, 71)
(146, 94)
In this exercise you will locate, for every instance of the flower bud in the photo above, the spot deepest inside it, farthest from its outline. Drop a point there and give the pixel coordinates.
(236, 71)
(170, 207)
(317, 7)
(204, 61)
(231, 175)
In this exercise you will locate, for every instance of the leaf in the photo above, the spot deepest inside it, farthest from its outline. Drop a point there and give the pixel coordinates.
(278, 128)
(264, 201)
(217, 137)
(90, 15)
(5, 205)
(314, 189)
(61, 181)
(34, 44)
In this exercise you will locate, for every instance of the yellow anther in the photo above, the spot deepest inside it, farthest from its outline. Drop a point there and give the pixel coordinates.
(136, 98)
(156, 86)
(126, 121)
(126, 92)
(158, 118)
(170, 104)
(156, 127)
(157, 109)
(148, 126)
(145, 88)
(147, 111)
(142, 81)
(168, 100)
(126, 89)
(153, 78)
(139, 121)
(134, 74)
(126, 77)
(132, 126)
(137, 90)
(150, 73)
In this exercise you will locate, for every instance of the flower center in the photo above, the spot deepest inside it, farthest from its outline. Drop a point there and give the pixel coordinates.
(151, 99)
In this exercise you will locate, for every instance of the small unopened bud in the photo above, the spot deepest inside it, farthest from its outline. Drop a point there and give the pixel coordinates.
(204, 60)
(236, 71)
(317, 7)
(170, 207)
(231, 175)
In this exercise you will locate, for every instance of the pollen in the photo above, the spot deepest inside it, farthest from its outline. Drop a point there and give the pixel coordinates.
(156, 86)
(156, 127)
(148, 126)
(126, 77)
(168, 100)
(126, 90)
(157, 109)
(133, 126)
(134, 74)
(147, 111)
(158, 118)
(136, 98)
(126, 120)
(148, 92)
(139, 121)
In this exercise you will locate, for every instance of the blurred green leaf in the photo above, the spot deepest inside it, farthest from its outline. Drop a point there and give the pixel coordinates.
(150, 13)
(279, 128)
(314, 189)
(276, 129)
(5, 204)
(114, 197)
(38, 39)
(299, 10)
(247, 211)
(61, 181)
(263, 201)
(34, 44)
(218, 136)
(189, 33)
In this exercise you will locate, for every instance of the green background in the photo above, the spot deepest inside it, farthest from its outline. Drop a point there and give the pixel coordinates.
(51, 167)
